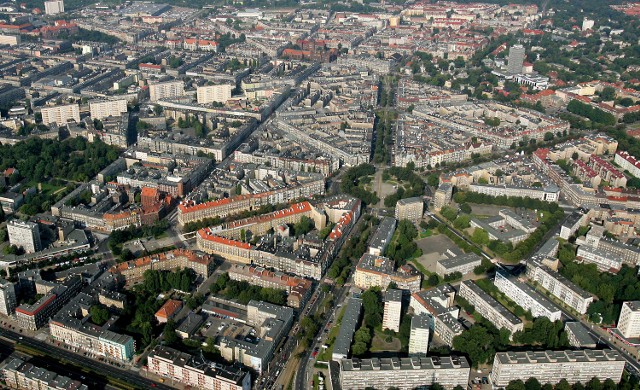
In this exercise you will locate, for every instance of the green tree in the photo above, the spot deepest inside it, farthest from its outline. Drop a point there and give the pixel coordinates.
(99, 314)
(169, 334)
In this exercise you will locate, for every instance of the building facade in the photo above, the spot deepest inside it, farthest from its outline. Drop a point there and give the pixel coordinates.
(489, 308)
(166, 90)
(25, 235)
(105, 108)
(60, 115)
(629, 320)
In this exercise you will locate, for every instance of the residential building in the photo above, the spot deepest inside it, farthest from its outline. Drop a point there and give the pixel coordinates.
(550, 193)
(54, 7)
(35, 316)
(382, 237)
(133, 271)
(60, 115)
(25, 235)
(419, 336)
(410, 209)
(489, 308)
(629, 320)
(298, 289)
(392, 310)
(11, 40)
(627, 162)
(379, 271)
(214, 93)
(71, 326)
(578, 335)
(437, 304)
(553, 366)
(350, 320)
(105, 108)
(167, 90)
(196, 372)
(443, 195)
(20, 374)
(404, 373)
(560, 287)
(8, 300)
(526, 296)
(168, 310)
(463, 263)
(605, 261)
(189, 325)
(516, 59)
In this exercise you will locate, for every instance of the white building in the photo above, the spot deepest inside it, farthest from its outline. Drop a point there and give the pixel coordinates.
(525, 296)
(548, 194)
(553, 366)
(628, 163)
(419, 337)
(214, 93)
(604, 261)
(166, 90)
(489, 308)
(392, 310)
(561, 287)
(629, 320)
(60, 114)
(54, 7)
(8, 300)
(11, 40)
(587, 24)
(105, 108)
(25, 235)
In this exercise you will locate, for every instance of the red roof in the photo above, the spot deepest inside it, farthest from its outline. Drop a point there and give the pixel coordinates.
(169, 308)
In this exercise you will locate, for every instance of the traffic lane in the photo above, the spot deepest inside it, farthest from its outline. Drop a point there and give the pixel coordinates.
(96, 366)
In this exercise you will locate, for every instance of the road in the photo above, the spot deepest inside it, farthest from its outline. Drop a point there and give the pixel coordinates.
(54, 352)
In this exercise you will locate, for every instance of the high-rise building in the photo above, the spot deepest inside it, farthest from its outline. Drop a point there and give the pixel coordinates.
(629, 320)
(54, 7)
(60, 114)
(392, 310)
(25, 235)
(516, 59)
(106, 108)
(8, 301)
(214, 93)
(166, 90)
(410, 208)
(419, 337)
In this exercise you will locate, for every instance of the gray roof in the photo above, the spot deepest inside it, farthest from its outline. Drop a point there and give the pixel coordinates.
(350, 321)
(547, 304)
(393, 295)
(385, 229)
(558, 357)
(191, 324)
(491, 302)
(409, 363)
(581, 334)
(457, 261)
(407, 201)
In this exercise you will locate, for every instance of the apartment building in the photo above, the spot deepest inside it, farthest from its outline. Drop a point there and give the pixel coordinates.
(54, 7)
(101, 109)
(392, 310)
(553, 366)
(166, 90)
(11, 40)
(579, 336)
(214, 93)
(189, 211)
(25, 235)
(382, 237)
(463, 263)
(298, 289)
(166, 312)
(410, 209)
(196, 372)
(437, 304)
(21, 374)
(419, 336)
(629, 320)
(627, 162)
(525, 296)
(35, 316)
(489, 308)
(379, 271)
(404, 373)
(8, 299)
(350, 321)
(60, 115)
(133, 271)
(443, 195)
(560, 287)
(604, 261)
(550, 193)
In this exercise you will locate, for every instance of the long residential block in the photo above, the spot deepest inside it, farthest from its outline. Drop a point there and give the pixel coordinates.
(553, 366)
(526, 296)
(489, 308)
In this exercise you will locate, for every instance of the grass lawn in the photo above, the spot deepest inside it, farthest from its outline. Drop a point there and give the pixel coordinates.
(427, 233)
(325, 354)
(380, 344)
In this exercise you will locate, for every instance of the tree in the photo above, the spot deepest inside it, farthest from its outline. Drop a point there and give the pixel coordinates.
(462, 222)
(169, 334)
(532, 384)
(99, 314)
(449, 213)
(548, 136)
(303, 226)
(516, 385)
(465, 208)
(480, 237)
